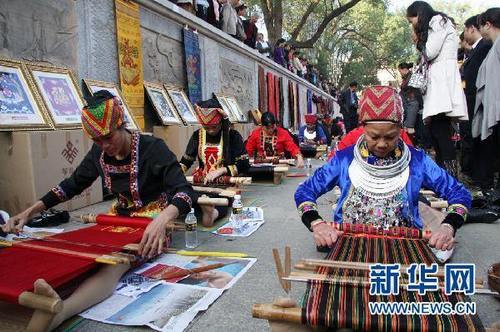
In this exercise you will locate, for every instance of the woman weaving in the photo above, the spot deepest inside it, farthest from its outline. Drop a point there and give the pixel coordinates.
(219, 150)
(144, 176)
(380, 178)
(269, 141)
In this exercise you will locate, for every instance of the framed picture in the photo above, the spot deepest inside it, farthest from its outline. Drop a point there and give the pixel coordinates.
(60, 93)
(94, 86)
(225, 106)
(182, 104)
(235, 108)
(20, 107)
(162, 104)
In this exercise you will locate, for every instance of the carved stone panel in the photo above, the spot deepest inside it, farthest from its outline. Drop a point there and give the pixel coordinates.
(162, 58)
(97, 51)
(238, 81)
(210, 60)
(39, 30)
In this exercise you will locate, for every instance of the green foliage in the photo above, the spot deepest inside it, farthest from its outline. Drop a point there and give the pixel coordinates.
(362, 41)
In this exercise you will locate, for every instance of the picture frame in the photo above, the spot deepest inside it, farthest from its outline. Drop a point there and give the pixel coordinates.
(227, 109)
(256, 116)
(60, 93)
(182, 104)
(94, 86)
(235, 108)
(21, 107)
(162, 104)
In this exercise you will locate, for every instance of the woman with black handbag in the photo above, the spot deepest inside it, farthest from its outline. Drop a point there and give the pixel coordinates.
(444, 100)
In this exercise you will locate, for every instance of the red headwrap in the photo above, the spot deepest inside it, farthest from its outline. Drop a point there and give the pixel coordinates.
(209, 116)
(381, 103)
(310, 118)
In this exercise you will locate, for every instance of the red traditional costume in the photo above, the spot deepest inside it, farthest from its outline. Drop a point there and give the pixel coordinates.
(211, 150)
(264, 145)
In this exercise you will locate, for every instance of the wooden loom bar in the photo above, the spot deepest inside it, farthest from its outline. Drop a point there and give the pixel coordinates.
(41, 302)
(186, 272)
(218, 191)
(280, 169)
(288, 267)
(272, 160)
(356, 281)
(279, 268)
(213, 201)
(105, 259)
(354, 265)
(232, 180)
(370, 231)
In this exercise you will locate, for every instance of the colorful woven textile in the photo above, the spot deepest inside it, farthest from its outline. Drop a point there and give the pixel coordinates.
(21, 266)
(380, 103)
(346, 305)
(101, 119)
(271, 94)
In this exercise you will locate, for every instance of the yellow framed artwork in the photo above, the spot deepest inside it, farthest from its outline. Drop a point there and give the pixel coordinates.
(60, 93)
(21, 107)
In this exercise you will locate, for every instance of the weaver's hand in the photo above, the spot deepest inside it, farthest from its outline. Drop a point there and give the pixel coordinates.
(154, 238)
(324, 235)
(212, 175)
(443, 239)
(300, 161)
(16, 223)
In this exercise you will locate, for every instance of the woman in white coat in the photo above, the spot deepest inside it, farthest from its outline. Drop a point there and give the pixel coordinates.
(444, 100)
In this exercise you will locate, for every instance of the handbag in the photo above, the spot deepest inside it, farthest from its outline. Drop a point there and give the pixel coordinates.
(419, 76)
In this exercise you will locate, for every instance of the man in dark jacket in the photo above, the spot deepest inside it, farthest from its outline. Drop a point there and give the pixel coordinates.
(349, 104)
(470, 68)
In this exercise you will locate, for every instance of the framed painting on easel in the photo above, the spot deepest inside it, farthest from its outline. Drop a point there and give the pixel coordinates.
(21, 108)
(62, 97)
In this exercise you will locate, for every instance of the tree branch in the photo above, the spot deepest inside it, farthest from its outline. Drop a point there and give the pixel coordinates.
(309, 43)
(312, 6)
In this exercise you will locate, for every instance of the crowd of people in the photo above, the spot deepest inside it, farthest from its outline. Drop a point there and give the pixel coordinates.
(229, 16)
(456, 115)
(457, 100)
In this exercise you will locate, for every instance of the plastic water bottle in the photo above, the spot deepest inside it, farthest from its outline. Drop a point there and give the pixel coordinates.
(308, 167)
(191, 232)
(237, 213)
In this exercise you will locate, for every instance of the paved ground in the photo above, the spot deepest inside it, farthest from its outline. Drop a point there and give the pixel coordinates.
(477, 243)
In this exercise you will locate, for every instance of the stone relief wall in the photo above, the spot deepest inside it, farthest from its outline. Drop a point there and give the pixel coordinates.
(238, 81)
(39, 30)
(162, 47)
(162, 59)
(210, 60)
(97, 57)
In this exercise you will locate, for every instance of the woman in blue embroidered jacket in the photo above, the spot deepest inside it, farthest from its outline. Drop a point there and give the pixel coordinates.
(311, 134)
(380, 178)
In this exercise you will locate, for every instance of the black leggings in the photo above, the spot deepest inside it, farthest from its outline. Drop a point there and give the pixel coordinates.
(440, 132)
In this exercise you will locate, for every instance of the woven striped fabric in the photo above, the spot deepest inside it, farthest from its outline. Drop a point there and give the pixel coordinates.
(346, 305)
